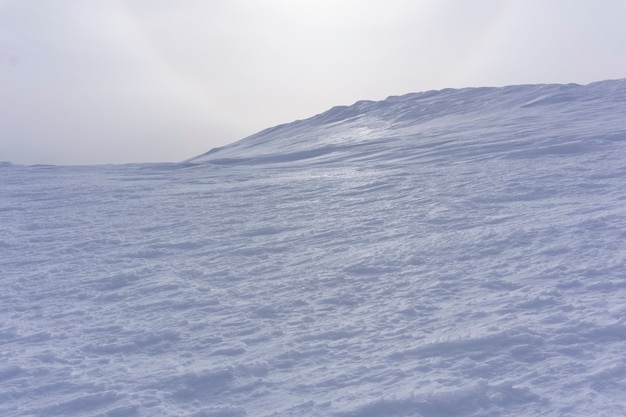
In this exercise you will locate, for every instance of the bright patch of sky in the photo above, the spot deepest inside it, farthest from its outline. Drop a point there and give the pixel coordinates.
(140, 81)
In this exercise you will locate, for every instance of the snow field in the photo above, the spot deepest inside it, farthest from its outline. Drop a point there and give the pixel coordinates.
(469, 266)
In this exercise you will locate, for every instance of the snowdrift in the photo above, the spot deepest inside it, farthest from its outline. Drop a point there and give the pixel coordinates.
(448, 124)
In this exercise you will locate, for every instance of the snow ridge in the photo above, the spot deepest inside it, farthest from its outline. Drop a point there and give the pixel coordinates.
(454, 252)
(405, 124)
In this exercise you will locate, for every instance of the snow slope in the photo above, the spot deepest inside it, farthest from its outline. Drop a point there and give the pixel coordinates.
(455, 252)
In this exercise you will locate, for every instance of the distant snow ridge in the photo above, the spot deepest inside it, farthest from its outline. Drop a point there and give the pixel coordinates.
(443, 124)
(449, 253)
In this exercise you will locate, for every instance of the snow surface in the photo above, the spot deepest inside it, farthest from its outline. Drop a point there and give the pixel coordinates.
(448, 253)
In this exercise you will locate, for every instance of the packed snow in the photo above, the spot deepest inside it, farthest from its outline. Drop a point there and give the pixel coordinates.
(447, 253)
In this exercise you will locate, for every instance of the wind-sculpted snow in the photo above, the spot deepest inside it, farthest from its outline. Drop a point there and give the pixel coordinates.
(447, 124)
(452, 253)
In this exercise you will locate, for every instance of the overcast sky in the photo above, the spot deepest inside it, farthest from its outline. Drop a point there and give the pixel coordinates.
(106, 81)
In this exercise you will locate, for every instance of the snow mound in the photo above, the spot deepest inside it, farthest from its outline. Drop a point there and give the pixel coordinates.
(443, 124)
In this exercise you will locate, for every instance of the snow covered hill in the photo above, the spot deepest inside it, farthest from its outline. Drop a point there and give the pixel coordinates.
(448, 253)
(445, 125)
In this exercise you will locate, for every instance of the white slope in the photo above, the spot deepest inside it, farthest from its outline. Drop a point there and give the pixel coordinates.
(448, 125)
(451, 253)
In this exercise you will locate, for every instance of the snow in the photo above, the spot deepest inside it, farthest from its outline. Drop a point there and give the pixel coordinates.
(454, 252)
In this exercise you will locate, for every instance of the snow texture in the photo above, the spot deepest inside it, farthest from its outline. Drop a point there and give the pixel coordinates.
(448, 253)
